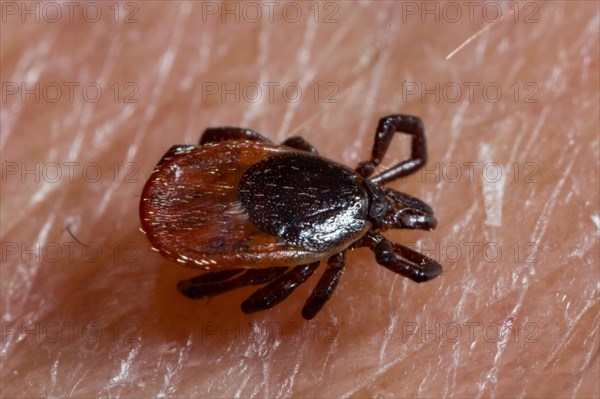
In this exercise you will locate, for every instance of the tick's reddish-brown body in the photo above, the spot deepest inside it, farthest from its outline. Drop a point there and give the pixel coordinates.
(191, 212)
(251, 212)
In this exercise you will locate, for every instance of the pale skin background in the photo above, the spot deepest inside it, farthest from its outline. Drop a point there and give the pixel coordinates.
(523, 322)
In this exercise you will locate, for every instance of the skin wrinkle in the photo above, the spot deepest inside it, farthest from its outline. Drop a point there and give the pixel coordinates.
(542, 223)
(254, 111)
(492, 192)
(11, 114)
(368, 59)
(104, 76)
(568, 336)
(175, 373)
(388, 333)
(308, 75)
(501, 347)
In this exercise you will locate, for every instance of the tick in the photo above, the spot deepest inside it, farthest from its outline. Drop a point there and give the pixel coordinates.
(251, 212)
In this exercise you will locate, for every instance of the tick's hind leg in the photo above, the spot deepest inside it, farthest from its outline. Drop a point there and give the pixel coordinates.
(214, 283)
(278, 289)
(404, 261)
(216, 134)
(325, 287)
(299, 143)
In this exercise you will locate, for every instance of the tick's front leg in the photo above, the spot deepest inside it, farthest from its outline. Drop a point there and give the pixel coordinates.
(405, 261)
(386, 129)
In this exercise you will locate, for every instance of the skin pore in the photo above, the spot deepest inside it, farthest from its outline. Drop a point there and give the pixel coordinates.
(510, 106)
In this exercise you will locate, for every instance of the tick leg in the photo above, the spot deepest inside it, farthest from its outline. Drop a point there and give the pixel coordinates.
(299, 143)
(325, 287)
(408, 200)
(410, 218)
(405, 261)
(215, 134)
(278, 289)
(414, 214)
(215, 283)
(386, 129)
(176, 149)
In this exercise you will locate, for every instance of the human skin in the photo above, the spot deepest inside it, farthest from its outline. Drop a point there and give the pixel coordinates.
(515, 312)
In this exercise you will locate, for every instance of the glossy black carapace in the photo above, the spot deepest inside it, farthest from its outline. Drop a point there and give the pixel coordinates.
(251, 212)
